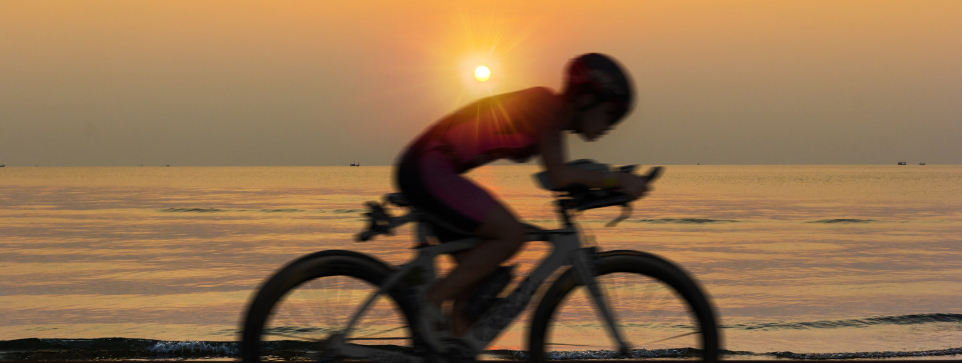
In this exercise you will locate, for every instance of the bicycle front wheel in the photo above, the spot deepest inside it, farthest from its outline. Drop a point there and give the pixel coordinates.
(309, 301)
(659, 310)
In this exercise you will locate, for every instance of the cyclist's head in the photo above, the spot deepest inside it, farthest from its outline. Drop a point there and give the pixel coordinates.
(603, 80)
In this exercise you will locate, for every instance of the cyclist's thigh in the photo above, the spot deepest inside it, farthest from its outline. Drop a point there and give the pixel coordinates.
(500, 223)
(430, 180)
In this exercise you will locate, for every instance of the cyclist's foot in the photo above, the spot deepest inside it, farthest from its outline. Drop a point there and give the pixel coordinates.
(459, 351)
(434, 326)
(461, 322)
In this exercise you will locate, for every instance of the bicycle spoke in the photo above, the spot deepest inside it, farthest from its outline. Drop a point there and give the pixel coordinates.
(294, 336)
(380, 332)
(674, 337)
(584, 296)
(338, 298)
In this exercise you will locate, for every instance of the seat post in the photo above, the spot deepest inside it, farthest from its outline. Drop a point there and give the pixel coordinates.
(422, 232)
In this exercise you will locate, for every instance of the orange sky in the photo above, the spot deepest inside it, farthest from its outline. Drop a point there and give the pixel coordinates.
(319, 83)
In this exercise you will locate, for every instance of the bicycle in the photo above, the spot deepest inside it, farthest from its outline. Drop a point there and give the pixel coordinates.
(296, 302)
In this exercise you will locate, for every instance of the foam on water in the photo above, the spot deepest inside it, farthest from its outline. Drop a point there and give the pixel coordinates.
(913, 319)
(112, 348)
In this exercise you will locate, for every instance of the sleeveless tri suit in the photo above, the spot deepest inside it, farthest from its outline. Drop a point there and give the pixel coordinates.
(499, 127)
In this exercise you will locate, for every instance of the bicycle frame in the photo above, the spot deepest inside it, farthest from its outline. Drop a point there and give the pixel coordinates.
(567, 251)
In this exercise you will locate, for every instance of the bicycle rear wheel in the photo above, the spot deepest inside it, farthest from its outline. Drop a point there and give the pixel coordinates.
(660, 311)
(302, 306)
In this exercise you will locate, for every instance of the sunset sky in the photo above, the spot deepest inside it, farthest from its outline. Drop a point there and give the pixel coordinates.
(125, 83)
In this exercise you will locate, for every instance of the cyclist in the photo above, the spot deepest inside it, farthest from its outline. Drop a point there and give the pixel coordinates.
(597, 95)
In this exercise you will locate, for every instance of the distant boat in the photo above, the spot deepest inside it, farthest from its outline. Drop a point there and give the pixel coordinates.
(922, 163)
(902, 163)
(355, 164)
(2, 165)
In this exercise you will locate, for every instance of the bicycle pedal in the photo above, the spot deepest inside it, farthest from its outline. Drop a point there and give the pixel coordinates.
(458, 351)
(449, 359)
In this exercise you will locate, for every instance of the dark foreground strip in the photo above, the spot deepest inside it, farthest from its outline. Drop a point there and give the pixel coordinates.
(946, 359)
(125, 349)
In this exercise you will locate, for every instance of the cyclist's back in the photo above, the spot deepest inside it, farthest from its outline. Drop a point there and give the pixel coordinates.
(499, 127)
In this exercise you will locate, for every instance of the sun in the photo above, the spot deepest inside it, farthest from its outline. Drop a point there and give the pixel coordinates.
(482, 73)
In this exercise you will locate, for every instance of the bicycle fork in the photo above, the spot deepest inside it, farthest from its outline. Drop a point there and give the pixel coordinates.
(583, 265)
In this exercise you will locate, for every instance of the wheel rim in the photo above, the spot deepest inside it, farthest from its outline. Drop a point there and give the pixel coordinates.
(304, 319)
(653, 318)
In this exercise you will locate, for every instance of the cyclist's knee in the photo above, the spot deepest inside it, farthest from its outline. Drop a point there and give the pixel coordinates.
(459, 304)
(515, 236)
(502, 225)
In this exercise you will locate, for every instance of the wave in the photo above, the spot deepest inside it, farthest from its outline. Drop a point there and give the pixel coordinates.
(693, 352)
(683, 220)
(342, 211)
(860, 355)
(912, 319)
(128, 348)
(196, 210)
(112, 348)
(597, 354)
(283, 210)
(209, 210)
(844, 220)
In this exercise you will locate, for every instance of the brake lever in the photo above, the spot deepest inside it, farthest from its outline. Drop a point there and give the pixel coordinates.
(625, 213)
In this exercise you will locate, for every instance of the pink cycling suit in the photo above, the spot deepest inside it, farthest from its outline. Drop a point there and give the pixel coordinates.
(499, 127)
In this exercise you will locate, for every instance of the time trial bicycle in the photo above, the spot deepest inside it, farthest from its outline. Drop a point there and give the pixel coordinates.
(341, 305)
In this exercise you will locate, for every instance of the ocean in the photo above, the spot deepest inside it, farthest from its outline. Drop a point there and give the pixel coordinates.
(801, 261)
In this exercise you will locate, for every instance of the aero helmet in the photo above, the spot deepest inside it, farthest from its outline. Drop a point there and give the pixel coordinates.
(599, 75)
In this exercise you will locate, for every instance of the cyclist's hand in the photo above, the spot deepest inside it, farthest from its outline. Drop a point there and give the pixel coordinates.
(633, 185)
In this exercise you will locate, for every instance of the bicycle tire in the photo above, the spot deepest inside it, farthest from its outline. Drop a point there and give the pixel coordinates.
(346, 265)
(637, 266)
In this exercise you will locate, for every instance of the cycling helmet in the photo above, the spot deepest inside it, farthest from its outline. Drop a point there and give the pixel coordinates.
(599, 75)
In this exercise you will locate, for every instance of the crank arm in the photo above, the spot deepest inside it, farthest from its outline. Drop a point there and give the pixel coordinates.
(378, 354)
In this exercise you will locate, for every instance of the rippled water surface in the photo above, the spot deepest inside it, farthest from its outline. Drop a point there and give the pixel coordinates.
(807, 259)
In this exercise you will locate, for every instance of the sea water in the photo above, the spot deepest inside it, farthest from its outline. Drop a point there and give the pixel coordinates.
(803, 259)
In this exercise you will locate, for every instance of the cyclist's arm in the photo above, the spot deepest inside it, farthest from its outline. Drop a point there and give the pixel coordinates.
(553, 159)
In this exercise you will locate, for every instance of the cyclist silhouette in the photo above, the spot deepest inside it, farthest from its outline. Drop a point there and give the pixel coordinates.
(597, 95)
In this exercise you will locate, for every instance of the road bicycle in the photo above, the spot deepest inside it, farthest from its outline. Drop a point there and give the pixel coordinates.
(341, 305)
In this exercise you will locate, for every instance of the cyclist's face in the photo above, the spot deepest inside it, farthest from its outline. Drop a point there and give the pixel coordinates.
(596, 121)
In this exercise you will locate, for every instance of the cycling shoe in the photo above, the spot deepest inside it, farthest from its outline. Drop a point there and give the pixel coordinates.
(459, 351)
(433, 326)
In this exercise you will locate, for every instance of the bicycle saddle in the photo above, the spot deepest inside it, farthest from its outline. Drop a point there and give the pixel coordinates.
(398, 199)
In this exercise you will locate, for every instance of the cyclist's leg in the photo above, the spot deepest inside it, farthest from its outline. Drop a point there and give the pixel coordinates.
(431, 181)
(461, 321)
(503, 236)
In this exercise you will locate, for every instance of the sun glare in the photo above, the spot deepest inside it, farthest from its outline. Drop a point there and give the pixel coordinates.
(482, 73)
